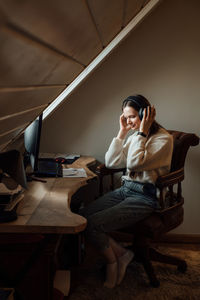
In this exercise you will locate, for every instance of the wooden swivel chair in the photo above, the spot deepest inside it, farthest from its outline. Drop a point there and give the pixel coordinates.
(171, 214)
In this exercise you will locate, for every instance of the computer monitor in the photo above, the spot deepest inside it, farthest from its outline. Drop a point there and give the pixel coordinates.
(11, 163)
(32, 141)
(42, 167)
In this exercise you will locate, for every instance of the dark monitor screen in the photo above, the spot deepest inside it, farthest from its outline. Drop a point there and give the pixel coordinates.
(32, 141)
(11, 162)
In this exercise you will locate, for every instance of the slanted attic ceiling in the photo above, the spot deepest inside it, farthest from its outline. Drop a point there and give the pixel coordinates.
(45, 45)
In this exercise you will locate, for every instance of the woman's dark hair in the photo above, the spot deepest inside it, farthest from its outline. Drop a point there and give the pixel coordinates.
(139, 102)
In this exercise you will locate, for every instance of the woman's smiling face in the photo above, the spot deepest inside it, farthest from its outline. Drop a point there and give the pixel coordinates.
(132, 117)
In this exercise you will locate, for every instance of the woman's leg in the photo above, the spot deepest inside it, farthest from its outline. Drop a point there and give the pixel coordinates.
(116, 210)
(117, 260)
(111, 267)
(109, 252)
(124, 214)
(124, 257)
(106, 201)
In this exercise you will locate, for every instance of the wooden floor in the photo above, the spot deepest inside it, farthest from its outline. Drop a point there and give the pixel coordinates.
(186, 246)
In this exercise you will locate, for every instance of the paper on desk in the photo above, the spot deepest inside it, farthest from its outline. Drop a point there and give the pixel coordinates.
(74, 172)
(67, 156)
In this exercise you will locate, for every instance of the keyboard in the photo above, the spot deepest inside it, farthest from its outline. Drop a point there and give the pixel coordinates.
(48, 168)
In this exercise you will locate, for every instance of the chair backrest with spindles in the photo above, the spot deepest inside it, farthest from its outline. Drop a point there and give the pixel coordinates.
(182, 142)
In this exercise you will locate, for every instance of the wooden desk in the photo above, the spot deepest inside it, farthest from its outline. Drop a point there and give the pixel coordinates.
(46, 206)
(45, 210)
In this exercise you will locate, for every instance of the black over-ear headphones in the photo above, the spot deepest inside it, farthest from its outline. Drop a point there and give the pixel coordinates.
(140, 101)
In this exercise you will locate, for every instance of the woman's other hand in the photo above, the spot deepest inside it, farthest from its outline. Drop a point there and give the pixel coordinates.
(147, 120)
(124, 127)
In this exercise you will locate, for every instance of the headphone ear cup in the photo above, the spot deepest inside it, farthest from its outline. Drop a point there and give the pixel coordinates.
(140, 113)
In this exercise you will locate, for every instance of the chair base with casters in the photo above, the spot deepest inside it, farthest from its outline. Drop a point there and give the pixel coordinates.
(171, 214)
(156, 225)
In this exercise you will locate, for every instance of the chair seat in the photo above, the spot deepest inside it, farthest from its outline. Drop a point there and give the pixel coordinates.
(157, 224)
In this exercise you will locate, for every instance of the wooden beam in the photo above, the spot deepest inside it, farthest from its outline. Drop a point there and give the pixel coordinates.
(6, 89)
(11, 135)
(19, 100)
(40, 108)
(16, 129)
(16, 120)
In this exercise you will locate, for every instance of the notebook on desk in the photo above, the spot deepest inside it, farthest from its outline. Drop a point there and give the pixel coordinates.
(48, 168)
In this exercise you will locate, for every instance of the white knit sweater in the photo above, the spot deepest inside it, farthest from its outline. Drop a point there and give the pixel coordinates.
(146, 158)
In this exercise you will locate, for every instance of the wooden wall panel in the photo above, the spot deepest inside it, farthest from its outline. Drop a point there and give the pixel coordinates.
(17, 100)
(24, 62)
(64, 72)
(18, 121)
(108, 16)
(6, 138)
(131, 9)
(65, 24)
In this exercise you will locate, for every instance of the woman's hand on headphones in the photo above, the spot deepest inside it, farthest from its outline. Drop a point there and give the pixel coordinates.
(147, 120)
(124, 127)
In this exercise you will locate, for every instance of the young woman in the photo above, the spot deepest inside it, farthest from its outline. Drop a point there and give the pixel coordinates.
(146, 154)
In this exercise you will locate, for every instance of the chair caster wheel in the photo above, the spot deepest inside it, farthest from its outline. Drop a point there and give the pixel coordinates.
(182, 267)
(155, 283)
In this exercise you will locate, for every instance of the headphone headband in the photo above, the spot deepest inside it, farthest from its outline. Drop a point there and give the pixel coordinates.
(139, 100)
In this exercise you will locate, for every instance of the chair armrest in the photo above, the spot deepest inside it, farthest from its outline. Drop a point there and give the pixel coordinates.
(102, 170)
(170, 179)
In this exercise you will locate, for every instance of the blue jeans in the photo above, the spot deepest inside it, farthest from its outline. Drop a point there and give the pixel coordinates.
(118, 209)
